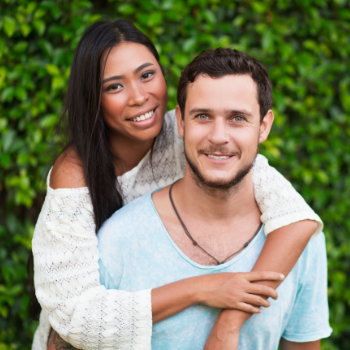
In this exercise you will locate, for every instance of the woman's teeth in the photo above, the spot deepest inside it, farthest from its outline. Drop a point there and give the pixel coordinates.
(143, 117)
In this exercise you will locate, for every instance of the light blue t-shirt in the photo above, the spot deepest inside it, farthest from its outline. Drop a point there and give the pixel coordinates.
(136, 252)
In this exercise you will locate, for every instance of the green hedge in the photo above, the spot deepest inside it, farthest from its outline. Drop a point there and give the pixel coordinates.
(304, 43)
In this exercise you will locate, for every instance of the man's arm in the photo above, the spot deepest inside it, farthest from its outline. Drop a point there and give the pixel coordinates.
(289, 345)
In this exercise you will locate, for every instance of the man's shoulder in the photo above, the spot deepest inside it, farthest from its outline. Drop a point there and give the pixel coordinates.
(313, 260)
(131, 215)
(316, 244)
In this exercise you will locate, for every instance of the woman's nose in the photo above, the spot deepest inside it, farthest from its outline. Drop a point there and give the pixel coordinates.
(138, 95)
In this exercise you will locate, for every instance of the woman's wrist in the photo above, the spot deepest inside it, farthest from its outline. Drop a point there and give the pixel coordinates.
(177, 296)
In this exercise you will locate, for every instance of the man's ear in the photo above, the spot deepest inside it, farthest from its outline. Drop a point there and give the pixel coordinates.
(266, 125)
(179, 120)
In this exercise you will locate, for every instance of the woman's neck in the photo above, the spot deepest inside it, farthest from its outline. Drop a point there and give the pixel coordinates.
(126, 154)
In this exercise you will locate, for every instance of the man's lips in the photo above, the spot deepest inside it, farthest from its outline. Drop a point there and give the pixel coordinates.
(219, 155)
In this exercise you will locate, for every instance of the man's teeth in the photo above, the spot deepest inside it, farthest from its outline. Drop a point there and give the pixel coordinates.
(143, 117)
(217, 157)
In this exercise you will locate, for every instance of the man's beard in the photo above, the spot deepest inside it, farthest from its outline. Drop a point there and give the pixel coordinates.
(219, 184)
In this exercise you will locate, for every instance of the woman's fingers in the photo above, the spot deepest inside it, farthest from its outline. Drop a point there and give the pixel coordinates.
(246, 307)
(260, 289)
(252, 303)
(242, 290)
(255, 276)
(256, 300)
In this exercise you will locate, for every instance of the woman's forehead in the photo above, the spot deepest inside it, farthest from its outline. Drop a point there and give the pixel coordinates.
(127, 57)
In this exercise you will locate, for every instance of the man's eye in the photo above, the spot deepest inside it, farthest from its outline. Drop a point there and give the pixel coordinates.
(202, 116)
(238, 118)
(147, 74)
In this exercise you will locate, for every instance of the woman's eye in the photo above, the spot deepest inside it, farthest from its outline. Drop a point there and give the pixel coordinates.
(147, 74)
(114, 87)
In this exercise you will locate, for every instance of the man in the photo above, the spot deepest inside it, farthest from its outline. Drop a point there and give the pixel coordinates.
(209, 221)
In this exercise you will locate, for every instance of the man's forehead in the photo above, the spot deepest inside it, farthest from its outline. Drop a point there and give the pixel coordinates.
(232, 91)
(233, 78)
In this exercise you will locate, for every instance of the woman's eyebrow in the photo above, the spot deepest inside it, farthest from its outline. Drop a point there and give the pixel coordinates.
(147, 64)
(137, 70)
(114, 77)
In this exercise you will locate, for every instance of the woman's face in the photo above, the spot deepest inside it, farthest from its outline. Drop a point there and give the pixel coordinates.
(134, 95)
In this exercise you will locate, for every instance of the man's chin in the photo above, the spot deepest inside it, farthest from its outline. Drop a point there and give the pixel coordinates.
(218, 184)
(218, 180)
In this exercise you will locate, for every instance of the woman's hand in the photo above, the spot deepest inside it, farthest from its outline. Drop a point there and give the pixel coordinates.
(240, 291)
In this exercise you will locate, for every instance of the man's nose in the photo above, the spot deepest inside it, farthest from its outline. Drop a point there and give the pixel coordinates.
(219, 132)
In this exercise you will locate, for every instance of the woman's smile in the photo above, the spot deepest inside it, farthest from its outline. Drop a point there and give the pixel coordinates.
(134, 93)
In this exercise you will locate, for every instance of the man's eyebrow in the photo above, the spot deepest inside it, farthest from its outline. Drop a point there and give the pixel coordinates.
(137, 70)
(241, 111)
(199, 110)
(227, 112)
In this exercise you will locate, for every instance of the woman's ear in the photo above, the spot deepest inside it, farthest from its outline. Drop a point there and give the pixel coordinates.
(265, 126)
(179, 120)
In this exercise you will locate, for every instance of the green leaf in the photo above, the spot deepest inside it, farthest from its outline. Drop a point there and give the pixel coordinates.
(21, 93)
(7, 140)
(5, 160)
(52, 69)
(8, 94)
(58, 83)
(9, 26)
(25, 29)
(127, 9)
(40, 26)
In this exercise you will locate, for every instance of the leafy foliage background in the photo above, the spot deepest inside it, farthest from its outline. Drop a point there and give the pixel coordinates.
(304, 43)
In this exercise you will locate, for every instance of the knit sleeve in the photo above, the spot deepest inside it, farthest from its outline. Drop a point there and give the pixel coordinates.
(67, 284)
(279, 203)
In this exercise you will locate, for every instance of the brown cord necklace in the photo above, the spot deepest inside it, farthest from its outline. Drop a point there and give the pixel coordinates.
(195, 243)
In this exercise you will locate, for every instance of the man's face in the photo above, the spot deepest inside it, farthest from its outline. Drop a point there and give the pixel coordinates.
(221, 128)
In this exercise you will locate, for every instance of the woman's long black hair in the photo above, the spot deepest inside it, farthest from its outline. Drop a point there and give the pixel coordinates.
(87, 130)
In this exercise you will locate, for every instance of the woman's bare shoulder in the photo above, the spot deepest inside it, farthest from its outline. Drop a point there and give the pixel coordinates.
(67, 171)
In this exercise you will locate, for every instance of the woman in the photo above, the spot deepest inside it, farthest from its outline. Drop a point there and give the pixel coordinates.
(115, 107)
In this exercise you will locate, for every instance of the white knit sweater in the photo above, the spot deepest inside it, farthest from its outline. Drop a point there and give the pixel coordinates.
(65, 251)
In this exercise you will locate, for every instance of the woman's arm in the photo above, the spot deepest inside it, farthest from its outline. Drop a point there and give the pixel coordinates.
(280, 253)
(223, 290)
(67, 279)
(217, 290)
(289, 223)
(66, 274)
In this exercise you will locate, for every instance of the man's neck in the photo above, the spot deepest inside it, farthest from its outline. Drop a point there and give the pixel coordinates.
(216, 203)
(221, 221)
